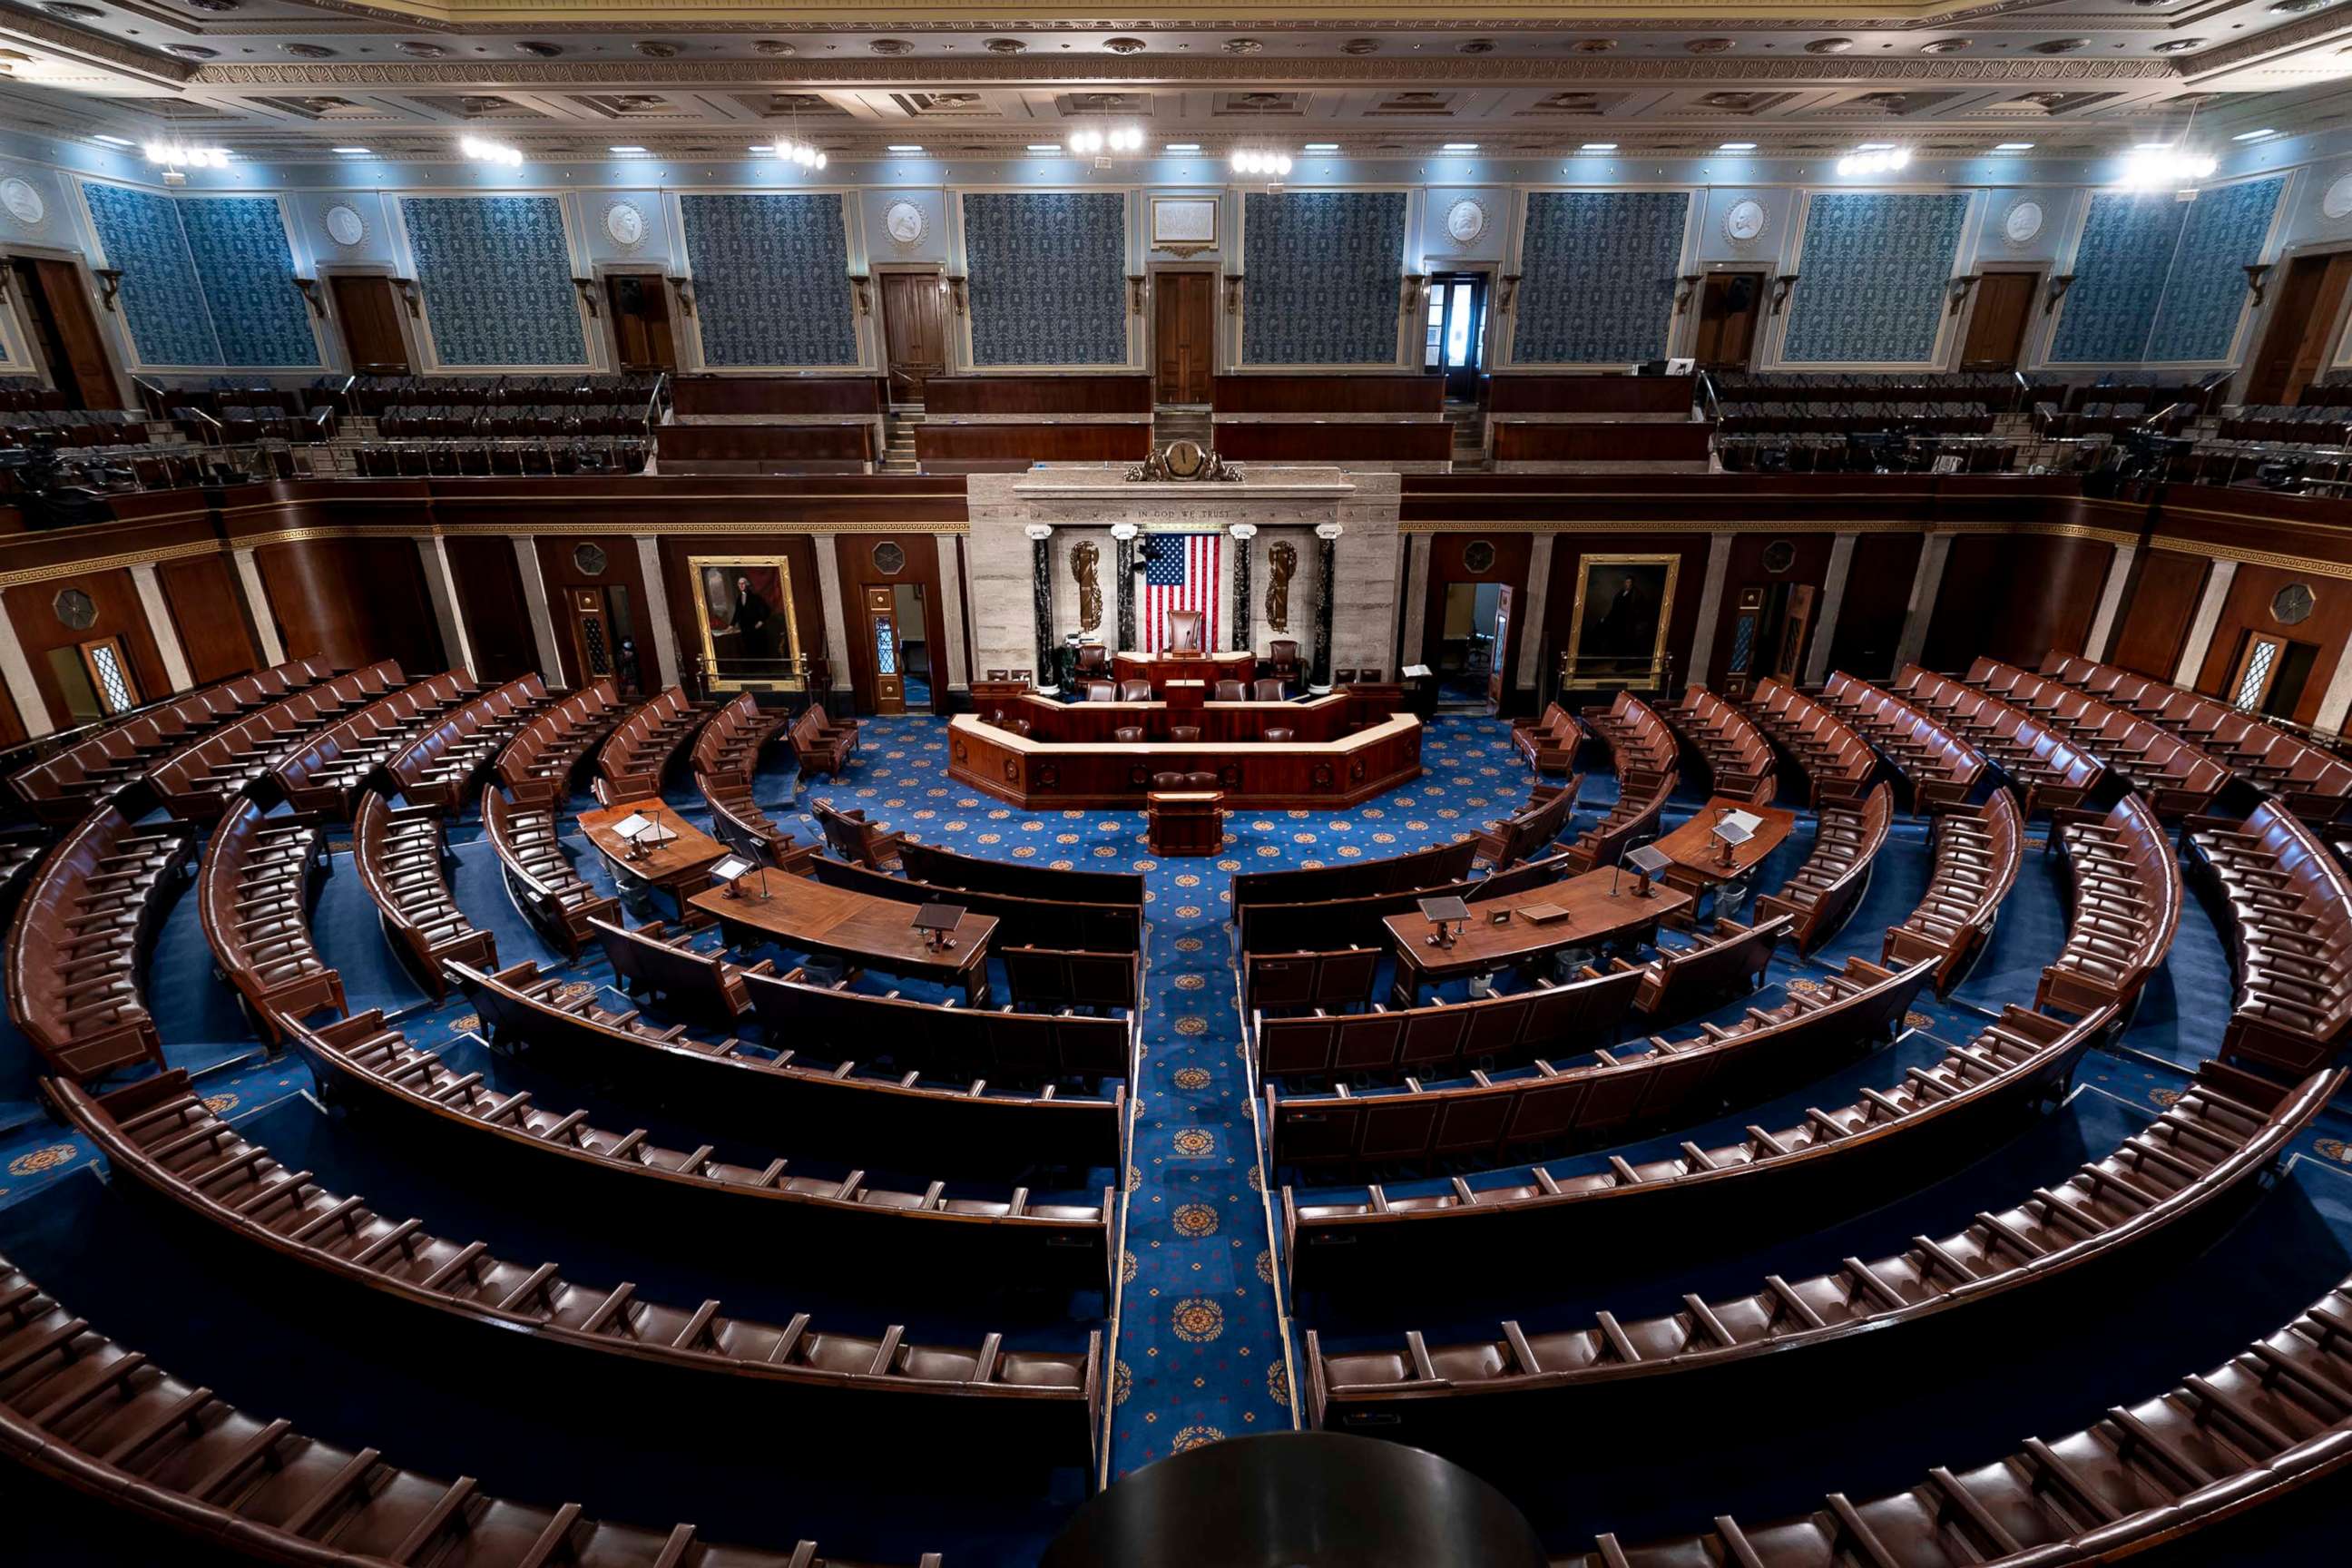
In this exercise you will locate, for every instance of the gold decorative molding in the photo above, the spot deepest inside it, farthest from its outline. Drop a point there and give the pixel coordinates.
(24, 575)
(2307, 566)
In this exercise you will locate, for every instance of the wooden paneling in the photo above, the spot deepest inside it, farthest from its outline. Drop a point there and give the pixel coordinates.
(210, 616)
(1997, 322)
(1509, 394)
(944, 394)
(2302, 326)
(1313, 441)
(489, 599)
(2015, 597)
(855, 553)
(559, 565)
(841, 448)
(2247, 607)
(1381, 393)
(1184, 335)
(939, 447)
(31, 609)
(1568, 552)
(1876, 602)
(1729, 306)
(369, 317)
(12, 723)
(699, 396)
(799, 552)
(353, 600)
(642, 338)
(1330, 774)
(1660, 442)
(2153, 626)
(87, 374)
(1808, 567)
(1447, 565)
(914, 331)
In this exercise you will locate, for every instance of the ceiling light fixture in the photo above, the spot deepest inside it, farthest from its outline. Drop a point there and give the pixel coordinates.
(490, 151)
(1251, 162)
(1182, 147)
(1737, 147)
(1459, 147)
(790, 151)
(355, 151)
(1598, 147)
(2014, 147)
(1117, 138)
(2264, 134)
(1875, 158)
(625, 149)
(177, 155)
(904, 147)
(2156, 163)
(113, 140)
(1320, 147)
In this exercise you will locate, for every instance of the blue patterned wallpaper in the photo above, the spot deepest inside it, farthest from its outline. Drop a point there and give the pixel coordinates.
(1325, 273)
(496, 277)
(771, 279)
(2120, 266)
(1048, 277)
(1597, 276)
(2207, 293)
(1873, 278)
(141, 232)
(239, 247)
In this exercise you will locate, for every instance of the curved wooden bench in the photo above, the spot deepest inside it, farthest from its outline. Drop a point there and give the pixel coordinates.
(1823, 891)
(2290, 926)
(634, 756)
(725, 760)
(1739, 760)
(360, 1060)
(1548, 741)
(1837, 763)
(1443, 1037)
(540, 873)
(197, 783)
(1617, 1089)
(80, 935)
(1978, 851)
(160, 1134)
(2177, 777)
(1511, 840)
(2127, 889)
(2171, 1182)
(1642, 749)
(440, 766)
(327, 772)
(836, 1107)
(1733, 957)
(2054, 772)
(403, 860)
(946, 868)
(1322, 922)
(82, 1412)
(1436, 865)
(1632, 818)
(537, 765)
(253, 895)
(1805, 1175)
(648, 961)
(1942, 768)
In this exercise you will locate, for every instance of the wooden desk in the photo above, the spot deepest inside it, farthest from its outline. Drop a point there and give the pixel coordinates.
(1041, 774)
(1594, 918)
(1159, 668)
(680, 867)
(817, 918)
(1698, 861)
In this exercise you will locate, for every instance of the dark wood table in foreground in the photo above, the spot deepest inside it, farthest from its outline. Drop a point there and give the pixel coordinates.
(1595, 916)
(679, 867)
(811, 916)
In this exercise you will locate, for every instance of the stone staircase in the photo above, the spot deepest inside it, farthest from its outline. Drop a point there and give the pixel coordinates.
(1469, 436)
(898, 457)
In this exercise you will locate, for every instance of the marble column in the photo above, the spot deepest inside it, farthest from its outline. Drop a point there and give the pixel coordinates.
(836, 618)
(2201, 628)
(2337, 702)
(1244, 536)
(1319, 678)
(1934, 551)
(17, 672)
(1124, 534)
(257, 604)
(159, 622)
(1710, 609)
(1416, 602)
(2111, 602)
(1042, 587)
(658, 623)
(441, 587)
(1817, 661)
(948, 666)
(1528, 671)
(542, 619)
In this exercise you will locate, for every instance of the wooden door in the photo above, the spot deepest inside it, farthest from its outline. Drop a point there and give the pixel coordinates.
(914, 331)
(368, 311)
(882, 644)
(1796, 625)
(2302, 325)
(1184, 335)
(1499, 680)
(2004, 305)
(641, 330)
(591, 632)
(71, 341)
(1728, 305)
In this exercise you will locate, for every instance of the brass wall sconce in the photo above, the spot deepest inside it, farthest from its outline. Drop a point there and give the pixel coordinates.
(1232, 293)
(1135, 281)
(1684, 286)
(955, 293)
(407, 287)
(2255, 272)
(1782, 287)
(860, 285)
(2058, 286)
(1510, 289)
(684, 288)
(110, 284)
(1958, 295)
(310, 286)
(587, 288)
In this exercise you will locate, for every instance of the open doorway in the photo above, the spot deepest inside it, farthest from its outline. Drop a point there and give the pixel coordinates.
(914, 644)
(1456, 338)
(1469, 644)
(1729, 304)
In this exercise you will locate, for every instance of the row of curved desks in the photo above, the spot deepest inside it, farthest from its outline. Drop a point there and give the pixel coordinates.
(1332, 774)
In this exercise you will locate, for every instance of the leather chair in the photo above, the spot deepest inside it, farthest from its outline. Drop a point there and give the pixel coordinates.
(1343, 678)
(1369, 677)
(1093, 659)
(1282, 658)
(1230, 692)
(1135, 691)
(1101, 692)
(1184, 631)
(1279, 734)
(1184, 735)
(1128, 735)
(1267, 691)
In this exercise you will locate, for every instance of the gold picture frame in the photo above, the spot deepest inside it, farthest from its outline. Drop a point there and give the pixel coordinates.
(772, 665)
(1625, 643)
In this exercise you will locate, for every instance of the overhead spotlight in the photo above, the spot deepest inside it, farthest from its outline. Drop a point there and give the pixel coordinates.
(2155, 165)
(490, 151)
(1127, 138)
(799, 152)
(1084, 141)
(179, 155)
(1875, 158)
(1249, 161)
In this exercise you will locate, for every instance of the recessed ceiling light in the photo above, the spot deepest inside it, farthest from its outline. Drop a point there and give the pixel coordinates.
(762, 148)
(2151, 146)
(1045, 146)
(114, 140)
(2253, 135)
(624, 149)
(1460, 147)
(349, 150)
(1598, 147)
(1322, 147)
(1875, 147)
(2014, 147)
(1737, 147)
(1182, 147)
(904, 147)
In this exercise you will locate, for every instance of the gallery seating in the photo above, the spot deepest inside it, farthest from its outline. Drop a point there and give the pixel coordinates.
(1739, 760)
(1021, 922)
(1837, 1162)
(328, 771)
(1977, 850)
(1732, 957)
(975, 1043)
(440, 767)
(1548, 741)
(630, 763)
(1617, 1090)
(2210, 1146)
(2290, 932)
(1444, 1037)
(82, 1412)
(1823, 891)
(2178, 778)
(1435, 867)
(861, 843)
(402, 861)
(540, 872)
(2126, 906)
(820, 744)
(2052, 773)
(537, 765)
(1942, 769)
(1506, 842)
(1026, 879)
(79, 936)
(648, 961)
(693, 1191)
(1639, 743)
(1633, 819)
(253, 895)
(1046, 979)
(1340, 979)
(832, 1106)
(160, 1135)
(1837, 763)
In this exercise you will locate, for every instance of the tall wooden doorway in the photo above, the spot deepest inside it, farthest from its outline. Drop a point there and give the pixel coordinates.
(1184, 335)
(2004, 307)
(1455, 341)
(369, 313)
(1729, 306)
(914, 331)
(65, 332)
(603, 634)
(642, 338)
(2302, 324)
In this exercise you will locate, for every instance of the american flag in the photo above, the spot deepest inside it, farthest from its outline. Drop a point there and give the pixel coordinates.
(1180, 573)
